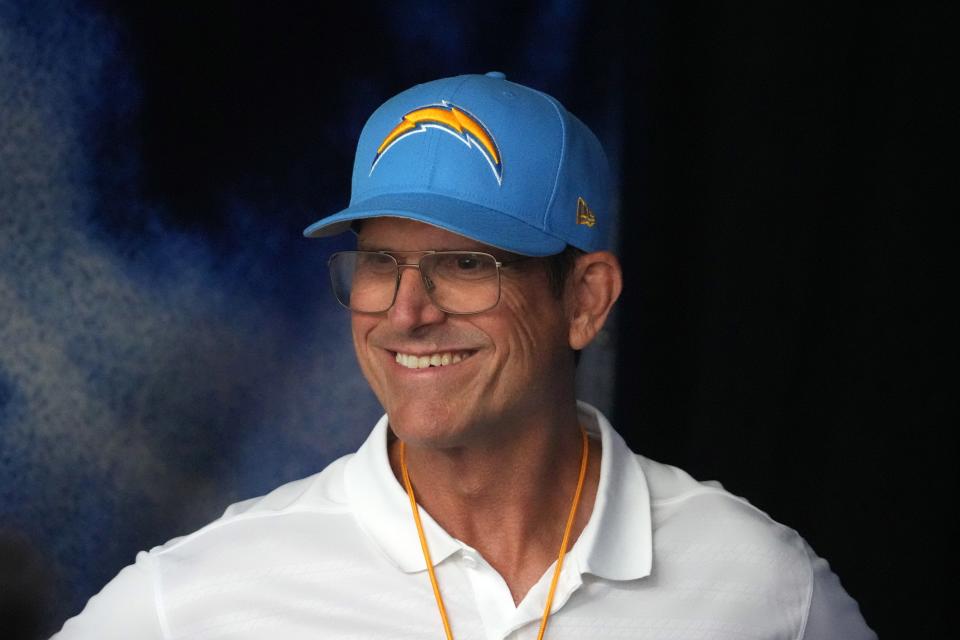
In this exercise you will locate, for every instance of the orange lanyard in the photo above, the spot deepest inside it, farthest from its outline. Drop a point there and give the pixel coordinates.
(563, 545)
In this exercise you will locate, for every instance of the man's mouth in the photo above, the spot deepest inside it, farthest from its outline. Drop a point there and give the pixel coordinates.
(439, 359)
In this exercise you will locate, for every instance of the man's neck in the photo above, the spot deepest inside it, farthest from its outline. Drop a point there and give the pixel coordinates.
(508, 499)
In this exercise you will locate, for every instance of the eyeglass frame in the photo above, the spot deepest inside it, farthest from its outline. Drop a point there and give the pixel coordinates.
(423, 280)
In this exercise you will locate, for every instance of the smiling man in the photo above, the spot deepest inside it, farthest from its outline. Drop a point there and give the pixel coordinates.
(487, 502)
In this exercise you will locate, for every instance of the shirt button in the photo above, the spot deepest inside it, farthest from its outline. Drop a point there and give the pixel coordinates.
(470, 560)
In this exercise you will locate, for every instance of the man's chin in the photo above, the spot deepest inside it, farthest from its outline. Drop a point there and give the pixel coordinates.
(422, 425)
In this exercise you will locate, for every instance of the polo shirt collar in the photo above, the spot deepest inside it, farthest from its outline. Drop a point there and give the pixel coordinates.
(381, 505)
(616, 544)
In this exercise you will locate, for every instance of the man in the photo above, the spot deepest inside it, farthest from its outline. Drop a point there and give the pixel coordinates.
(487, 502)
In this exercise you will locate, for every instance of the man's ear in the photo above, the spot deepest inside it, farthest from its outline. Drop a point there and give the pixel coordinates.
(591, 290)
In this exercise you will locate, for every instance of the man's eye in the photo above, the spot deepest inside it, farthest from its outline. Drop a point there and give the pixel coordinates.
(375, 264)
(466, 266)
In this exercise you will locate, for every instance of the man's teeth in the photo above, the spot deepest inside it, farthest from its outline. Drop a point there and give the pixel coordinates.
(442, 359)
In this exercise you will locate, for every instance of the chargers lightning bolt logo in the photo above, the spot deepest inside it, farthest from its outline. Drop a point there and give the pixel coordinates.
(451, 119)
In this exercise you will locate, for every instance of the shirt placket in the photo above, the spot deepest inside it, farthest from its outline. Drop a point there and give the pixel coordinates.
(502, 620)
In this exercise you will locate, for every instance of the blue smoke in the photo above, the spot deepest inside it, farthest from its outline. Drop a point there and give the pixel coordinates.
(146, 379)
(152, 372)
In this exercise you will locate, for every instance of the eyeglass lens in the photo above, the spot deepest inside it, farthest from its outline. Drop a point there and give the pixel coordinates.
(456, 281)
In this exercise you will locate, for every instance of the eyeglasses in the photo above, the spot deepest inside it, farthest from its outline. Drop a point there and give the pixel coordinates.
(458, 282)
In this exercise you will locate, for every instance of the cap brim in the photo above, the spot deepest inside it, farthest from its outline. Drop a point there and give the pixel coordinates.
(482, 224)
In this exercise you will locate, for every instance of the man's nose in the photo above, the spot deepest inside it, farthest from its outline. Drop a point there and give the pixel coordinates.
(413, 307)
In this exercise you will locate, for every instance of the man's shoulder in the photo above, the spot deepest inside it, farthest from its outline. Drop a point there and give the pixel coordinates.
(696, 510)
(314, 499)
(301, 540)
(321, 492)
(709, 541)
(715, 534)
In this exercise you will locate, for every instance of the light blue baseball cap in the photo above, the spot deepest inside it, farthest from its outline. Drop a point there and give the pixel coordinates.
(484, 158)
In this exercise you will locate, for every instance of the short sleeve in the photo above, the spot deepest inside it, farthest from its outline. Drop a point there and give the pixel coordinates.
(125, 608)
(833, 614)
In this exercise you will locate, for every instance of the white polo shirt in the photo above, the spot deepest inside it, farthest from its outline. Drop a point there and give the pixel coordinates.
(336, 555)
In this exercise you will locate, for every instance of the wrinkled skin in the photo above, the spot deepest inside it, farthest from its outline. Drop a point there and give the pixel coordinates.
(521, 360)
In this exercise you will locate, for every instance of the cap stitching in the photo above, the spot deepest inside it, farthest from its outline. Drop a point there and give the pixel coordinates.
(563, 153)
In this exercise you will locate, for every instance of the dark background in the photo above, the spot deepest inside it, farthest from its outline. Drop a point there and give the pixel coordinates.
(780, 182)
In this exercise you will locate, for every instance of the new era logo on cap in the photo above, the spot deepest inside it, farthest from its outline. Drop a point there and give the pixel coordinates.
(584, 215)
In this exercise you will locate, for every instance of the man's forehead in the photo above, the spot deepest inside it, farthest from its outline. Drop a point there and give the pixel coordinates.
(389, 233)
